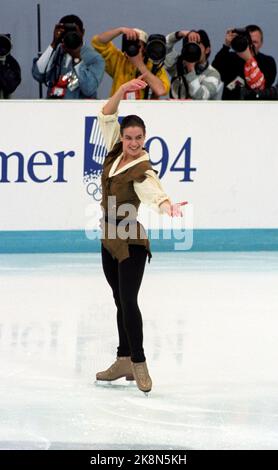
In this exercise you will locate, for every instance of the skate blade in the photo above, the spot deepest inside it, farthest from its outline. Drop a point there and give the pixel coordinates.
(109, 384)
(103, 383)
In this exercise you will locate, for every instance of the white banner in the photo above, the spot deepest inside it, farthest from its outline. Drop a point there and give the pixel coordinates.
(221, 157)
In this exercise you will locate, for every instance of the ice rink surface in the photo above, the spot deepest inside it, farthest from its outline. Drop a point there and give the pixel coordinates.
(210, 326)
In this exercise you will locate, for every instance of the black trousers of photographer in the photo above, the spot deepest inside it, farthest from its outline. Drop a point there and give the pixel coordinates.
(125, 280)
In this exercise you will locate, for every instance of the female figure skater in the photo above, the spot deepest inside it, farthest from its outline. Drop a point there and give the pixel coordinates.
(127, 180)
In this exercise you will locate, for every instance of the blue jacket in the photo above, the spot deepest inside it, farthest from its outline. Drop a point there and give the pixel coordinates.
(90, 71)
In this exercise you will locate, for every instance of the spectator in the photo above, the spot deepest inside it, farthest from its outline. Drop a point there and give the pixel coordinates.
(69, 68)
(122, 67)
(191, 74)
(247, 67)
(10, 74)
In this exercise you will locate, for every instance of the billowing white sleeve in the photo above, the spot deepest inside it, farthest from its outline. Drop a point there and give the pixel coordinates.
(150, 191)
(110, 129)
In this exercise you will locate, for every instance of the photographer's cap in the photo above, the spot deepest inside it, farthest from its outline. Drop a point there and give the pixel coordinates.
(142, 35)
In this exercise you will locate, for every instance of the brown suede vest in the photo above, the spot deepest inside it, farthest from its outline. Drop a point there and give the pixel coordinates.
(121, 187)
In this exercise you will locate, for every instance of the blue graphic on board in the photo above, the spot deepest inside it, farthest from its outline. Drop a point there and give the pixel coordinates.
(95, 153)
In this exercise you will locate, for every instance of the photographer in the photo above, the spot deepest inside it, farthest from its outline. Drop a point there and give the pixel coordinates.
(10, 73)
(191, 75)
(69, 69)
(122, 66)
(244, 65)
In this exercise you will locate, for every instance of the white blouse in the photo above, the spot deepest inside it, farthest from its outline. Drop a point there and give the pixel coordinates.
(150, 191)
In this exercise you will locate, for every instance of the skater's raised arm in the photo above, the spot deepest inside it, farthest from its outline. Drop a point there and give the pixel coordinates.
(108, 119)
(111, 107)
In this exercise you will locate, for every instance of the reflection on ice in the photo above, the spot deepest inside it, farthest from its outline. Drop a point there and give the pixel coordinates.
(210, 323)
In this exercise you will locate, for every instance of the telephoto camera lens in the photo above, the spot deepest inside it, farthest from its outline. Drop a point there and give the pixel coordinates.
(72, 40)
(241, 41)
(5, 45)
(156, 48)
(191, 52)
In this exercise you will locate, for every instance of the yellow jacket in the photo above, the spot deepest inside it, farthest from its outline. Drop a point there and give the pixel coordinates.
(121, 69)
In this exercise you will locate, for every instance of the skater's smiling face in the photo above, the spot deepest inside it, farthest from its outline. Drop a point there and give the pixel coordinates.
(133, 139)
(133, 134)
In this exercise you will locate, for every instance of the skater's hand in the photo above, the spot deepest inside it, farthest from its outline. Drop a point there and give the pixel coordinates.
(173, 210)
(134, 84)
(176, 210)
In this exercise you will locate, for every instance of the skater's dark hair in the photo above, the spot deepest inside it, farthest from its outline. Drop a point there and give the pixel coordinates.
(132, 121)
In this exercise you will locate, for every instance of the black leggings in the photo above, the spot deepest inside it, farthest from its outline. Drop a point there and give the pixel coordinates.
(125, 279)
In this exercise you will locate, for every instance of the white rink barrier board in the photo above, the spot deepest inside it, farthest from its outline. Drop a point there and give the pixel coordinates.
(221, 157)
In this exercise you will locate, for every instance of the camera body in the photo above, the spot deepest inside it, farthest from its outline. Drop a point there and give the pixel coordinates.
(191, 51)
(71, 38)
(155, 47)
(130, 46)
(242, 40)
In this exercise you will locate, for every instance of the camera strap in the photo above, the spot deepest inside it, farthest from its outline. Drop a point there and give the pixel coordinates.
(181, 79)
(54, 66)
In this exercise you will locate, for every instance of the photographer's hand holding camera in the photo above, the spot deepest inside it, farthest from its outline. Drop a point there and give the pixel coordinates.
(134, 59)
(244, 68)
(192, 37)
(10, 73)
(69, 68)
(191, 74)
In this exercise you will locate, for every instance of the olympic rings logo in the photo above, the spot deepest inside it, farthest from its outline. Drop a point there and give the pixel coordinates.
(93, 189)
